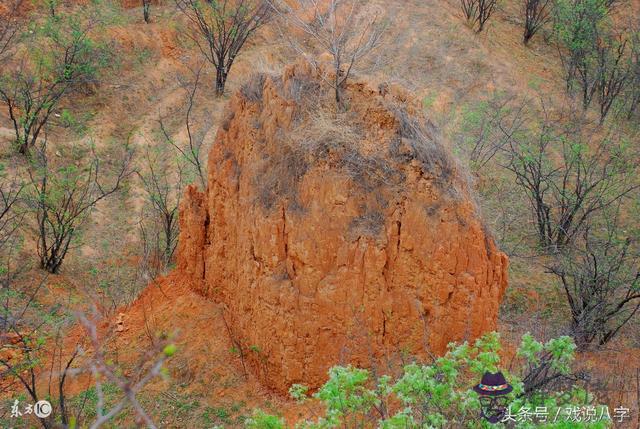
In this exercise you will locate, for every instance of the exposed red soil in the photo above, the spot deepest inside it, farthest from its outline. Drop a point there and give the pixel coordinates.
(319, 261)
(205, 360)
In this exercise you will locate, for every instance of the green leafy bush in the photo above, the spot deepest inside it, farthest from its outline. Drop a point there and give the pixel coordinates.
(262, 420)
(593, 54)
(439, 394)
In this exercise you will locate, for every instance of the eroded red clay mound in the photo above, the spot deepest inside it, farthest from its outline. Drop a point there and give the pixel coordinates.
(336, 236)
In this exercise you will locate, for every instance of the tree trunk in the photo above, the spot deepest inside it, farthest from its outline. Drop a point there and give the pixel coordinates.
(221, 80)
(23, 148)
(635, 102)
(167, 241)
(146, 6)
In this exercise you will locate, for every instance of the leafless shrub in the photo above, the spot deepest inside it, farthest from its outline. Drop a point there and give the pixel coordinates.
(302, 90)
(10, 193)
(163, 182)
(537, 13)
(164, 177)
(633, 89)
(237, 344)
(613, 73)
(370, 172)
(221, 28)
(486, 127)
(193, 150)
(610, 4)
(152, 263)
(281, 174)
(600, 276)
(478, 12)
(322, 131)
(11, 218)
(324, 137)
(9, 25)
(61, 198)
(566, 189)
(333, 139)
(340, 27)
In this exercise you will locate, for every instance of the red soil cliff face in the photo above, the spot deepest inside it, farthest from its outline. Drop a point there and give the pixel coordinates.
(336, 237)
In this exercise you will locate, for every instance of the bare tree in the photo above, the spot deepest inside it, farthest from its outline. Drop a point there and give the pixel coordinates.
(192, 151)
(62, 198)
(486, 128)
(9, 24)
(11, 217)
(600, 276)
(10, 193)
(469, 10)
(168, 167)
(163, 182)
(340, 27)
(633, 89)
(614, 72)
(610, 4)
(537, 13)
(61, 57)
(566, 189)
(220, 29)
(478, 12)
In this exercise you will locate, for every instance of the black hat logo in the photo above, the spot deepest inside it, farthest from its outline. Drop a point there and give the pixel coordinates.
(492, 390)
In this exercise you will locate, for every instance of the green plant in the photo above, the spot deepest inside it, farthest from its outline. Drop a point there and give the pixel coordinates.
(600, 276)
(439, 394)
(62, 197)
(594, 57)
(484, 128)
(86, 401)
(62, 55)
(429, 100)
(570, 173)
(262, 420)
(577, 24)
